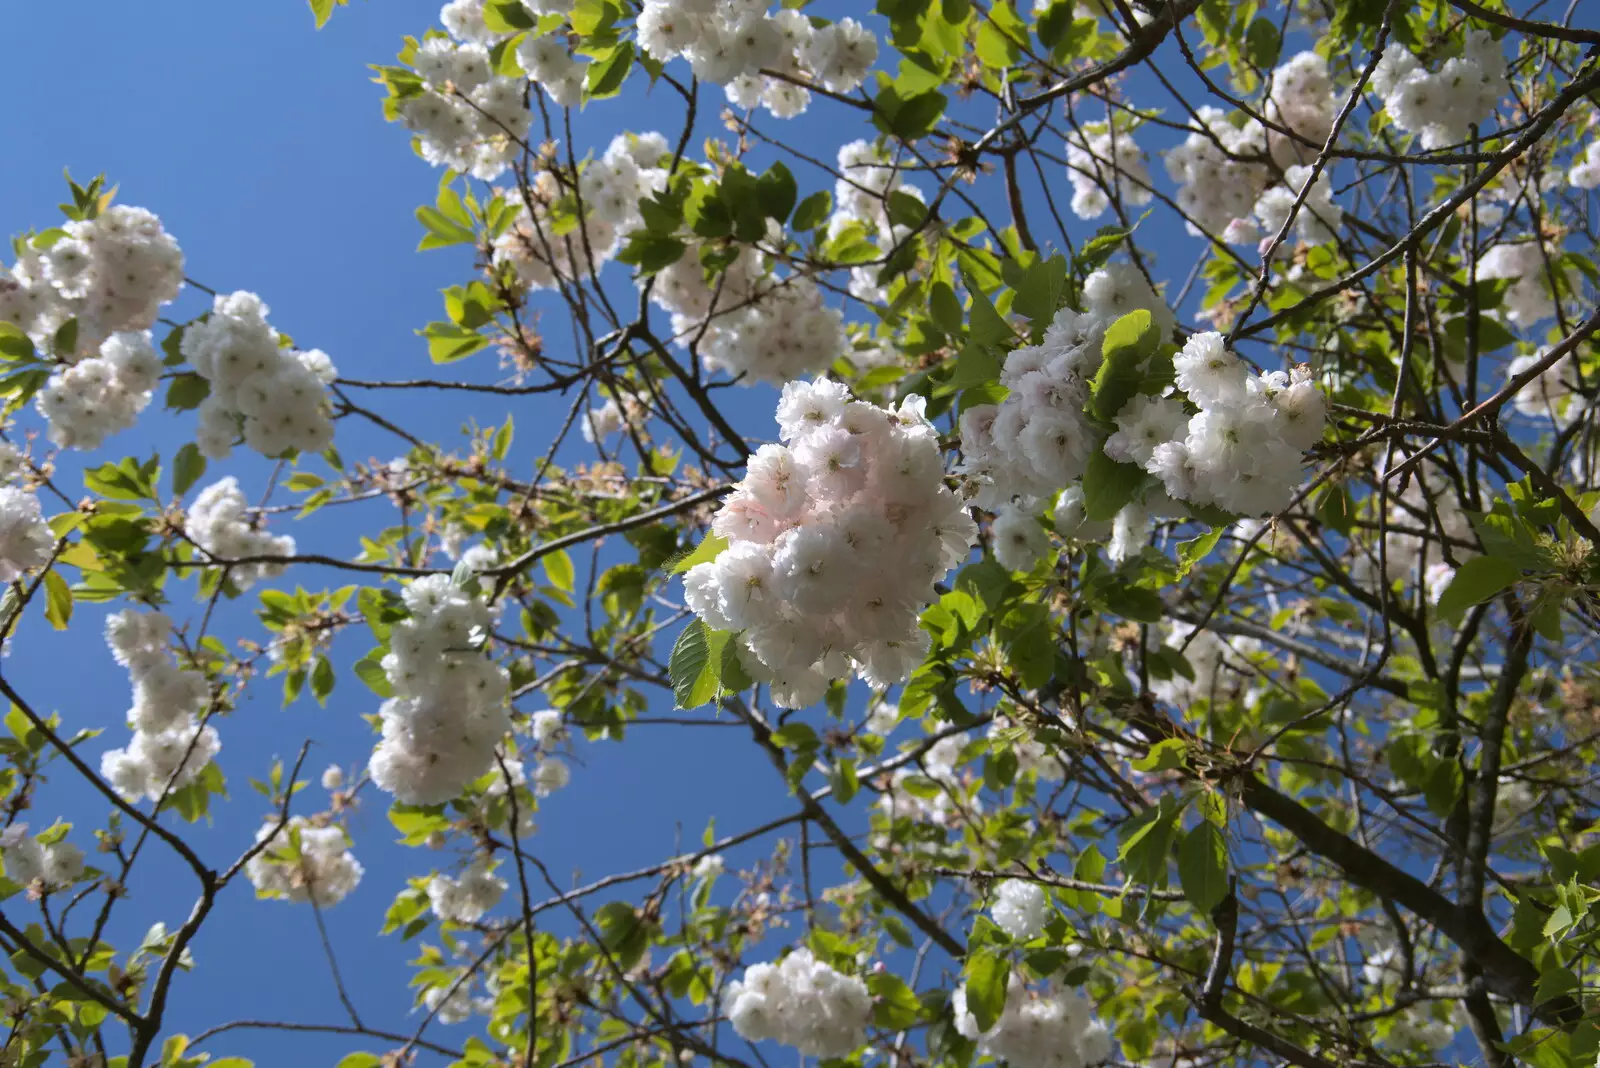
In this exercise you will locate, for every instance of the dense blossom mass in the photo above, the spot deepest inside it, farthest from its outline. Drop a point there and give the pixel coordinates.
(30, 860)
(1052, 1028)
(800, 1002)
(835, 540)
(111, 273)
(171, 745)
(303, 861)
(448, 712)
(25, 538)
(88, 401)
(1441, 106)
(220, 522)
(275, 396)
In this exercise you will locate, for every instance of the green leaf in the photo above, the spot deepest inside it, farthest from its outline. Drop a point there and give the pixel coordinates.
(986, 972)
(693, 670)
(186, 392)
(14, 344)
(1164, 755)
(1195, 550)
(1108, 486)
(1135, 603)
(558, 569)
(651, 252)
(321, 10)
(1129, 343)
(1203, 866)
(604, 77)
(813, 211)
(187, 467)
(448, 342)
(1476, 581)
(58, 600)
(895, 1005)
(709, 549)
(944, 308)
(322, 680)
(1262, 42)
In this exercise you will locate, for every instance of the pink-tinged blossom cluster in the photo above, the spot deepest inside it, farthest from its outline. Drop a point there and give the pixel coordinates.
(836, 538)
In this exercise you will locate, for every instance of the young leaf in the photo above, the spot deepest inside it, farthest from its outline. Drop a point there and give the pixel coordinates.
(1476, 581)
(1203, 866)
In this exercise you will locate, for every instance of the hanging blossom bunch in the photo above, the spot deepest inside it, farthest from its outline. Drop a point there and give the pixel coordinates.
(88, 401)
(939, 765)
(275, 396)
(1318, 215)
(546, 255)
(1301, 99)
(469, 896)
(1419, 516)
(731, 42)
(25, 538)
(1217, 186)
(219, 522)
(1021, 909)
(466, 117)
(465, 898)
(53, 865)
(1556, 394)
(170, 746)
(1242, 450)
(1219, 664)
(448, 713)
(1530, 267)
(1100, 158)
(111, 273)
(1038, 440)
(1442, 106)
(1585, 170)
(868, 177)
(303, 861)
(802, 1003)
(1054, 1028)
(835, 541)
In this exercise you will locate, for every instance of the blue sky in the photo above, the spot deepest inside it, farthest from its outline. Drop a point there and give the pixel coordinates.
(262, 146)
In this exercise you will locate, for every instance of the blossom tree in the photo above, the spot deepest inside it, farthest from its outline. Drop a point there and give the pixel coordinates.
(1136, 490)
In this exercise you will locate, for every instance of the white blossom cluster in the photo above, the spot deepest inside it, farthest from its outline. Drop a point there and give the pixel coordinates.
(731, 42)
(1527, 300)
(466, 897)
(1556, 394)
(29, 860)
(1302, 100)
(1100, 158)
(220, 522)
(112, 273)
(467, 117)
(1218, 662)
(1418, 516)
(1442, 106)
(303, 861)
(1585, 170)
(768, 329)
(1416, 1028)
(868, 177)
(800, 1002)
(1318, 215)
(939, 766)
(448, 712)
(88, 401)
(1052, 1028)
(1216, 183)
(1020, 908)
(275, 396)
(835, 541)
(546, 254)
(1242, 450)
(1037, 441)
(170, 747)
(25, 538)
